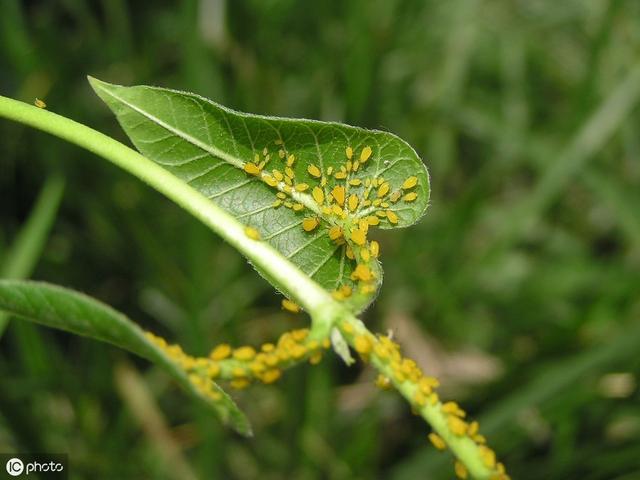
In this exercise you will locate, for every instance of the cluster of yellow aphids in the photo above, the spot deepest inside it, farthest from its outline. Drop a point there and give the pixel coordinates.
(405, 374)
(344, 200)
(242, 365)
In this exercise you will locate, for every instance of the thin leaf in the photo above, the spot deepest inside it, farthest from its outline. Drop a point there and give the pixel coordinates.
(74, 312)
(240, 161)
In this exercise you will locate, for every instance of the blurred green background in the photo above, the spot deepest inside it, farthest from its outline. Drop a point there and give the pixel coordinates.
(519, 289)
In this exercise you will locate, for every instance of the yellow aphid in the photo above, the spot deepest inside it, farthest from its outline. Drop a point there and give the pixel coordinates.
(372, 220)
(244, 353)
(290, 160)
(238, 372)
(335, 232)
(221, 352)
(326, 210)
(281, 195)
(239, 383)
(410, 197)
(287, 188)
(363, 225)
(314, 171)
(252, 233)
(271, 181)
(349, 152)
(395, 196)
(301, 187)
(488, 456)
(355, 182)
(309, 224)
(461, 470)
(329, 170)
(40, 103)
(365, 254)
(381, 213)
(353, 202)
(349, 253)
(297, 207)
(338, 193)
(383, 382)
(289, 172)
(271, 376)
(213, 370)
(473, 428)
(290, 305)
(318, 195)
(278, 175)
(358, 236)
(251, 168)
(348, 166)
(323, 181)
(437, 441)
(345, 290)
(265, 151)
(365, 154)
(362, 344)
(362, 272)
(277, 203)
(457, 426)
(281, 153)
(392, 217)
(383, 189)
(337, 210)
(410, 182)
(375, 248)
(340, 175)
(267, 347)
(355, 166)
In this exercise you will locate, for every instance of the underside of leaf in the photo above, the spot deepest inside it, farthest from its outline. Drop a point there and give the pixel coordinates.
(313, 190)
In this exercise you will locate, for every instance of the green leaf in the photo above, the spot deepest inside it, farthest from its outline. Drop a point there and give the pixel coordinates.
(237, 159)
(77, 313)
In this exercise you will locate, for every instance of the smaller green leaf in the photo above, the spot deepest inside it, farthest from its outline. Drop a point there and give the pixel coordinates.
(77, 313)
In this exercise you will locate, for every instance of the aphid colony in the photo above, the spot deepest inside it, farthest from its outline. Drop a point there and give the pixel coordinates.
(244, 364)
(405, 373)
(343, 200)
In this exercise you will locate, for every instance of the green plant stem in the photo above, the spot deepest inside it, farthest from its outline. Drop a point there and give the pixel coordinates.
(286, 276)
(463, 447)
(324, 310)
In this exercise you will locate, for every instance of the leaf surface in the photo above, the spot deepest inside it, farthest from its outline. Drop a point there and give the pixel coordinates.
(313, 190)
(77, 313)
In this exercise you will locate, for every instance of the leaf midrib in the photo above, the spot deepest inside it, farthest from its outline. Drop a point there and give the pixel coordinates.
(303, 198)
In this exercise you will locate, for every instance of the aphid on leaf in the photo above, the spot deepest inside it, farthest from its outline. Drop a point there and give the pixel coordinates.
(353, 202)
(410, 197)
(365, 154)
(252, 233)
(314, 171)
(310, 223)
(40, 103)
(251, 168)
(358, 236)
(349, 152)
(318, 195)
(290, 160)
(383, 190)
(335, 232)
(392, 217)
(410, 182)
(301, 187)
(338, 193)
